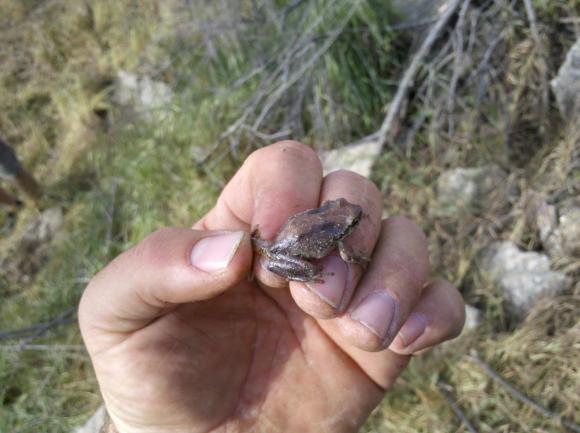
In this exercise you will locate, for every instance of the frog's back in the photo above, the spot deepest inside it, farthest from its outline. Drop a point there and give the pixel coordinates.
(314, 243)
(312, 234)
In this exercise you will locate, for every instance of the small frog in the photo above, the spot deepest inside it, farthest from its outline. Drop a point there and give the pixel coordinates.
(311, 235)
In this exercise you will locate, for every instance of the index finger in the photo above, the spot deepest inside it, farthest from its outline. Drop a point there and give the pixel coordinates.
(274, 183)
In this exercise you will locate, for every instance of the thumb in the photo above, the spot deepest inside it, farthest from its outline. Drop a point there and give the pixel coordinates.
(171, 266)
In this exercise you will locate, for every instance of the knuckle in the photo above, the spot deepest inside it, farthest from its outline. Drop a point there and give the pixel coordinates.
(298, 154)
(285, 152)
(358, 182)
(450, 297)
(297, 148)
(150, 250)
(401, 270)
(407, 224)
(401, 233)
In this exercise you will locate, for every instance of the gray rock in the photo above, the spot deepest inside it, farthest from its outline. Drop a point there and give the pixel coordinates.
(31, 248)
(43, 228)
(149, 98)
(570, 229)
(566, 85)
(472, 318)
(358, 157)
(95, 422)
(558, 227)
(468, 189)
(545, 218)
(523, 277)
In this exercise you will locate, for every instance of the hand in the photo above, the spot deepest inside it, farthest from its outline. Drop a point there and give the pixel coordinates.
(181, 341)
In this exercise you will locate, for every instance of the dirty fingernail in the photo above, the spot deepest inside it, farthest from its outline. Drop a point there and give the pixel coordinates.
(335, 274)
(214, 253)
(376, 312)
(412, 329)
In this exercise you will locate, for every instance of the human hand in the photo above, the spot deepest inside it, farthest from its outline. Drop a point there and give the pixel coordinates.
(194, 347)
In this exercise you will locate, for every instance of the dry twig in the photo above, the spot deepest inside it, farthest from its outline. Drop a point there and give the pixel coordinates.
(40, 328)
(514, 392)
(457, 40)
(536, 35)
(277, 94)
(409, 76)
(445, 391)
(43, 347)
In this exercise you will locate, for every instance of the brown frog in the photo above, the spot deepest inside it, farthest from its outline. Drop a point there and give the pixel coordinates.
(311, 235)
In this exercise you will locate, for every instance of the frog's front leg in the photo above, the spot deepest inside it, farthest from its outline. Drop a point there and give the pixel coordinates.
(350, 256)
(295, 269)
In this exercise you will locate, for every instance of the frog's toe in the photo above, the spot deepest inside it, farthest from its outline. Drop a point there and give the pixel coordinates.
(319, 278)
(254, 232)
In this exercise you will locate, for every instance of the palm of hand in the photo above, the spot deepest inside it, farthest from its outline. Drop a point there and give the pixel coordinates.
(177, 348)
(235, 361)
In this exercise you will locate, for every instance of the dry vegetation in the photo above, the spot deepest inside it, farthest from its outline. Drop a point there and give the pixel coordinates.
(249, 73)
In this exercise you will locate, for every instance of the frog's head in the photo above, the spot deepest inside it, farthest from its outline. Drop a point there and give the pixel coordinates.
(353, 216)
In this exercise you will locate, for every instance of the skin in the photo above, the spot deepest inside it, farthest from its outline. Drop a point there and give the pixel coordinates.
(176, 349)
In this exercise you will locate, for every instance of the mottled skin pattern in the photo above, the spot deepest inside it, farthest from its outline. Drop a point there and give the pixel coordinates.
(311, 235)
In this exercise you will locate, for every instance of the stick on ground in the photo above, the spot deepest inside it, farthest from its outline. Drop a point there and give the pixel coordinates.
(444, 390)
(521, 396)
(40, 328)
(408, 77)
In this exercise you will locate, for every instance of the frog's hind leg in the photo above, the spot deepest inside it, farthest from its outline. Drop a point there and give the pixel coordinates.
(296, 269)
(259, 245)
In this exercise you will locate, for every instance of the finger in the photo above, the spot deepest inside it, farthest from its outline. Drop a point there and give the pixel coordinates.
(390, 288)
(442, 307)
(382, 367)
(169, 267)
(327, 299)
(274, 183)
(438, 316)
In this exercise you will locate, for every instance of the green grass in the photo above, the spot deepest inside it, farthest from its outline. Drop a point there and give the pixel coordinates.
(117, 183)
(119, 179)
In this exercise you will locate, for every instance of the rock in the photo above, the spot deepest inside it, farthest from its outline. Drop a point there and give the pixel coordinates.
(358, 157)
(566, 85)
(523, 277)
(468, 189)
(570, 229)
(95, 422)
(472, 318)
(147, 97)
(558, 227)
(44, 227)
(30, 249)
(546, 221)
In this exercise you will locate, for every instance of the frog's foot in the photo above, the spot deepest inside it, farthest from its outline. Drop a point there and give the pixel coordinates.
(254, 232)
(318, 279)
(350, 256)
(259, 245)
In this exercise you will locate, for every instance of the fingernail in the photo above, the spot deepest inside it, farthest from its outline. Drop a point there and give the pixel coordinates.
(376, 312)
(413, 328)
(215, 253)
(335, 274)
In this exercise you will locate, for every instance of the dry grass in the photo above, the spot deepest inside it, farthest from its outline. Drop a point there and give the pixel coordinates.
(120, 178)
